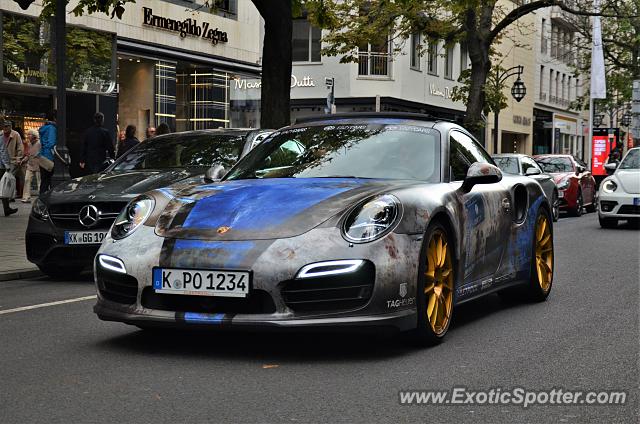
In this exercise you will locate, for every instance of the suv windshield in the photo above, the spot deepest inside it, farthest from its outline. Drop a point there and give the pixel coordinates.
(183, 151)
(507, 164)
(356, 151)
(632, 160)
(555, 164)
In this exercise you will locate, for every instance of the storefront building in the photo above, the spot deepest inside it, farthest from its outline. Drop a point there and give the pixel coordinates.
(558, 127)
(378, 81)
(162, 62)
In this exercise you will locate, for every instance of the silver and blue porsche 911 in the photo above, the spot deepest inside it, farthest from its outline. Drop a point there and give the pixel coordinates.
(374, 220)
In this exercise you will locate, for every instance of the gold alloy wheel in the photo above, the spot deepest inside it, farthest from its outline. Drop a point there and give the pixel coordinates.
(438, 285)
(544, 253)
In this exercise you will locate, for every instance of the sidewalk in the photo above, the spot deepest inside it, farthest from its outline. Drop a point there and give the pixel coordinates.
(13, 259)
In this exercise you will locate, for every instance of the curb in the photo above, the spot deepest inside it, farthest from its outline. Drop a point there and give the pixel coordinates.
(17, 274)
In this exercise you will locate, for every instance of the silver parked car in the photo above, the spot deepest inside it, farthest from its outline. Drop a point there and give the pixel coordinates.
(519, 164)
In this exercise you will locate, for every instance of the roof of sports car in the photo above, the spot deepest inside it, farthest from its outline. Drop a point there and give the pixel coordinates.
(372, 115)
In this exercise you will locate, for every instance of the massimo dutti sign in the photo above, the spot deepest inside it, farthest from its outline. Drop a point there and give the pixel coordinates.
(187, 27)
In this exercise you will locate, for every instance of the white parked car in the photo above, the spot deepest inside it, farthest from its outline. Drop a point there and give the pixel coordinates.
(620, 192)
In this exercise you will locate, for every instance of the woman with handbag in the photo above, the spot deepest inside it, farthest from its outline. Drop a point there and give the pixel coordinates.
(32, 164)
(6, 168)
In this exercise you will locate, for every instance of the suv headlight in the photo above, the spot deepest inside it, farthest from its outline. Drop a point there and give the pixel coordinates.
(132, 216)
(609, 186)
(40, 210)
(564, 184)
(372, 219)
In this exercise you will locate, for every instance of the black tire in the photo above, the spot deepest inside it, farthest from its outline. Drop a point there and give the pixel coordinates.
(58, 272)
(534, 290)
(424, 334)
(593, 206)
(577, 211)
(555, 207)
(608, 222)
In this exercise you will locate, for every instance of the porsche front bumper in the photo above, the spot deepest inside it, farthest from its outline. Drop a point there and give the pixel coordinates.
(275, 264)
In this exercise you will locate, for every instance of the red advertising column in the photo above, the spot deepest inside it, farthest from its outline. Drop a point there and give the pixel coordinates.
(599, 151)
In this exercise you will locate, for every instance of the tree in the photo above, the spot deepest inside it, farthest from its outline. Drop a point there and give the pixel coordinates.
(276, 52)
(478, 23)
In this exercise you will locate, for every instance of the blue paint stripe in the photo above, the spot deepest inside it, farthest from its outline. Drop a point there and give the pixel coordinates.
(203, 318)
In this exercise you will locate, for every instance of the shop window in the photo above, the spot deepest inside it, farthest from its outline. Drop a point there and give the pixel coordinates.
(226, 8)
(374, 59)
(28, 57)
(306, 41)
(165, 93)
(448, 62)
(464, 56)
(415, 51)
(432, 57)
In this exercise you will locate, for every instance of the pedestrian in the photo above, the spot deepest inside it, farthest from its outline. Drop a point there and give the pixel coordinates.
(150, 133)
(97, 146)
(130, 141)
(5, 166)
(15, 149)
(48, 139)
(21, 171)
(32, 164)
(163, 128)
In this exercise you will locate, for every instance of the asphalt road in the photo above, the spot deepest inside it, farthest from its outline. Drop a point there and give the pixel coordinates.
(59, 363)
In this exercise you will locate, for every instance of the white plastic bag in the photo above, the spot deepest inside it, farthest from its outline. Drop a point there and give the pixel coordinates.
(8, 186)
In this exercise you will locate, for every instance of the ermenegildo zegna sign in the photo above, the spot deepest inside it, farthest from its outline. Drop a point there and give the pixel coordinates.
(186, 27)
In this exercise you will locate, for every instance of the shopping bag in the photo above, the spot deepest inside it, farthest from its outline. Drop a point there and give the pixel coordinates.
(45, 163)
(8, 186)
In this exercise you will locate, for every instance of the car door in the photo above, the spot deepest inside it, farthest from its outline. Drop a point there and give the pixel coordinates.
(485, 213)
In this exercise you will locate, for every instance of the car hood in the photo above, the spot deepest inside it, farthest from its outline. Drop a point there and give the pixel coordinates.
(629, 180)
(116, 185)
(263, 209)
(559, 176)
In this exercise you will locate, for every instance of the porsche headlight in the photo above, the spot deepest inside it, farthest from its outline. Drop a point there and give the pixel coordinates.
(609, 186)
(39, 210)
(132, 216)
(563, 184)
(372, 220)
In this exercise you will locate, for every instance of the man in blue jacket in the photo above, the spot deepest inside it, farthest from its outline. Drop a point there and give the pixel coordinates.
(48, 140)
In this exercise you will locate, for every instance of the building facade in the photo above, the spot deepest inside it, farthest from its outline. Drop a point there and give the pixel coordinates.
(558, 128)
(164, 61)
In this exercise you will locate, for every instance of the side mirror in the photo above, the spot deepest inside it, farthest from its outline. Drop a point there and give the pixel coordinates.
(481, 173)
(532, 171)
(107, 163)
(610, 168)
(215, 173)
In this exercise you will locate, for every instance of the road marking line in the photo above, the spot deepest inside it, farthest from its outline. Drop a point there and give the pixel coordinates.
(44, 305)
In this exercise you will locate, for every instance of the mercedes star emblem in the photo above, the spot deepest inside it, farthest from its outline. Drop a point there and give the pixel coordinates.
(88, 216)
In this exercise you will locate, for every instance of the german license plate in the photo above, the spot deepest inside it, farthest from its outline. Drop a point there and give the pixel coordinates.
(636, 201)
(560, 194)
(84, 237)
(212, 282)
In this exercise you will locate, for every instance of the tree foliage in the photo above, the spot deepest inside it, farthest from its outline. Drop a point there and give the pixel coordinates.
(478, 23)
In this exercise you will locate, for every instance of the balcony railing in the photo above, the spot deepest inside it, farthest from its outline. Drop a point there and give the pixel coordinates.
(543, 97)
(374, 64)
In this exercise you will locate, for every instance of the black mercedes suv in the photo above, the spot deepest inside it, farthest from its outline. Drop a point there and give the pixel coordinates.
(68, 223)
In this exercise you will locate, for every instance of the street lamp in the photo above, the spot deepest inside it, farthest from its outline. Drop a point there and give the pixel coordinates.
(597, 120)
(518, 91)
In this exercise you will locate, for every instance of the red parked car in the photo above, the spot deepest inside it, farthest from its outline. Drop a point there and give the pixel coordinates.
(576, 185)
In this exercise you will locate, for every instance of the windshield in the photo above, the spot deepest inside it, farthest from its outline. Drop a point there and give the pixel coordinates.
(555, 164)
(632, 160)
(183, 151)
(507, 164)
(357, 151)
